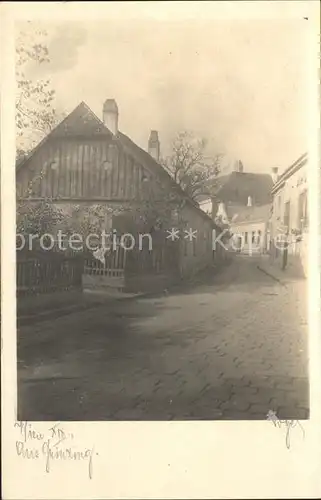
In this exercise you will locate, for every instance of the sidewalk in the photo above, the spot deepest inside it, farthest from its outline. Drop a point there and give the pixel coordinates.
(289, 275)
(35, 308)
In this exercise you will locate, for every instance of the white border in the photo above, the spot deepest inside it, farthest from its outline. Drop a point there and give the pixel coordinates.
(154, 459)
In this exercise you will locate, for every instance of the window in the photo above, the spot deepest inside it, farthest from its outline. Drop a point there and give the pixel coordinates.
(245, 238)
(253, 236)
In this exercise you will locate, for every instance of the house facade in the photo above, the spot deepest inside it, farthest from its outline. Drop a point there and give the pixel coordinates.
(249, 230)
(289, 216)
(86, 161)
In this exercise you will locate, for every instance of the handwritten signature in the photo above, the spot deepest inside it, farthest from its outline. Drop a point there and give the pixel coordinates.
(288, 424)
(53, 446)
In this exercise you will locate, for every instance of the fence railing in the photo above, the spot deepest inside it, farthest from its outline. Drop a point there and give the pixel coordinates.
(48, 272)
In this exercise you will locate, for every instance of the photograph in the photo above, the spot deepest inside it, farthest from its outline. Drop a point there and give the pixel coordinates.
(160, 250)
(162, 219)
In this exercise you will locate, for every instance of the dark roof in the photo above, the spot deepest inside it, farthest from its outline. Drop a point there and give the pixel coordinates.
(238, 186)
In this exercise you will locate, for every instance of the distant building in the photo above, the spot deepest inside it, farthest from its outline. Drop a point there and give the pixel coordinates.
(249, 228)
(241, 200)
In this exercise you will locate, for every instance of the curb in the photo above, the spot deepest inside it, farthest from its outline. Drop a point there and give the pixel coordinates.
(278, 280)
(56, 313)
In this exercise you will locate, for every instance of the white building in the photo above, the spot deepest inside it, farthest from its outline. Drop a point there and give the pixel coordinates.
(249, 228)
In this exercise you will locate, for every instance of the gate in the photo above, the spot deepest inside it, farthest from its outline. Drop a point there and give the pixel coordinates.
(105, 274)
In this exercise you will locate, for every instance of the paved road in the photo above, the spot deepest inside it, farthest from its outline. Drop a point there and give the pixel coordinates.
(233, 346)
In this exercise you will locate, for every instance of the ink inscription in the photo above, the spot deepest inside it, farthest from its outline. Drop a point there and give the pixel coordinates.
(55, 445)
(287, 424)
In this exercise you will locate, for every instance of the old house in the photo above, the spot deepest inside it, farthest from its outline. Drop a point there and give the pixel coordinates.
(289, 219)
(86, 161)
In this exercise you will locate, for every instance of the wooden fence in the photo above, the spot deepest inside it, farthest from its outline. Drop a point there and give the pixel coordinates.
(47, 272)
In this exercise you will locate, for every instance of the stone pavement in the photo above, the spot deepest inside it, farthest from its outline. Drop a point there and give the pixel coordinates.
(233, 347)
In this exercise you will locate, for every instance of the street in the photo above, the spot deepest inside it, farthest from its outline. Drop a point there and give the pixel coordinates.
(232, 346)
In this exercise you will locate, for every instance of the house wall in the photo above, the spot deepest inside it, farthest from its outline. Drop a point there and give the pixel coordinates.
(290, 193)
(253, 234)
(198, 253)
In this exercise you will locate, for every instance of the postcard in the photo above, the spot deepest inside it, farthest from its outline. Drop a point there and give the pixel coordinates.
(160, 263)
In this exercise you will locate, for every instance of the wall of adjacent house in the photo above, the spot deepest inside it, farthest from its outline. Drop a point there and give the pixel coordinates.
(287, 202)
(290, 214)
(249, 237)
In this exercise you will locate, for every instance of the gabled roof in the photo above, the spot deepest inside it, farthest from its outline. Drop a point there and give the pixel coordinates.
(83, 122)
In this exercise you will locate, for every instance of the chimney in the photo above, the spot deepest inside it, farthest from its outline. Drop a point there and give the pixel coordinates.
(110, 115)
(153, 145)
(249, 201)
(275, 175)
(238, 167)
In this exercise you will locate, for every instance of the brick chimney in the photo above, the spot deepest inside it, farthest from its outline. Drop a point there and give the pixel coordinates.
(275, 175)
(110, 115)
(154, 145)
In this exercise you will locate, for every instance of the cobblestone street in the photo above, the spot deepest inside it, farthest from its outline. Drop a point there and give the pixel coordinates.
(233, 346)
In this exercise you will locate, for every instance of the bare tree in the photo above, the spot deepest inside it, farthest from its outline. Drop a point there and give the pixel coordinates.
(189, 165)
(35, 111)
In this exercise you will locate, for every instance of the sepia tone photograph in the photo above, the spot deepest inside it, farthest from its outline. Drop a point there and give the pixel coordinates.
(162, 220)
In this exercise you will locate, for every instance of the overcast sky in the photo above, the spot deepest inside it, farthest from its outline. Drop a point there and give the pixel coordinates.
(241, 84)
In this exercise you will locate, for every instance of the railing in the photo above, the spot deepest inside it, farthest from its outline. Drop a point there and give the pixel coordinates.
(48, 272)
(113, 264)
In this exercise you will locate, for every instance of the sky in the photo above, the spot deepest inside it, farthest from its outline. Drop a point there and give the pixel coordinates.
(240, 84)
